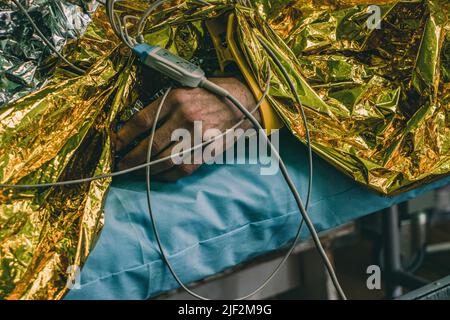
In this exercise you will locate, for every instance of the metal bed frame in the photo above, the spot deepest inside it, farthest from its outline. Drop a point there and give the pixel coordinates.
(438, 290)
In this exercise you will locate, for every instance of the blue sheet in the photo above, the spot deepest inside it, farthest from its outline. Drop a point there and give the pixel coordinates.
(220, 217)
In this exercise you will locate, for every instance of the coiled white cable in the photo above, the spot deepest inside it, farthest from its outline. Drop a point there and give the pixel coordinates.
(305, 217)
(142, 166)
(153, 219)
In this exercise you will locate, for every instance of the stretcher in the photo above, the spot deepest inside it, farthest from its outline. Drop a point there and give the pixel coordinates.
(218, 218)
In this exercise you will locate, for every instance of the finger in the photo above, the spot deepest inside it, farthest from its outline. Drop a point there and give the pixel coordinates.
(177, 172)
(174, 156)
(161, 141)
(138, 124)
(164, 165)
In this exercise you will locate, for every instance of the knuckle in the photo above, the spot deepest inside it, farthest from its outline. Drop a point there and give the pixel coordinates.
(188, 104)
(179, 97)
(192, 111)
(142, 120)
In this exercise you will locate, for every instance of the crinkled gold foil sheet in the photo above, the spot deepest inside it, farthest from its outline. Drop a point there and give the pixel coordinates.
(59, 132)
(377, 102)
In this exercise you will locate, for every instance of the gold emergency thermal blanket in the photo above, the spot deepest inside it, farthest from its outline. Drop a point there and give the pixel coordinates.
(376, 94)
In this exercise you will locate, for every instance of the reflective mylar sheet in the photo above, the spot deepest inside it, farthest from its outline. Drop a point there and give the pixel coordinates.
(59, 132)
(21, 49)
(377, 102)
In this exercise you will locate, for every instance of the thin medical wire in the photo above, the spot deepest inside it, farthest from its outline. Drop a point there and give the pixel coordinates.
(298, 200)
(42, 36)
(126, 39)
(110, 14)
(139, 36)
(144, 165)
(304, 214)
(115, 22)
(125, 30)
(147, 13)
(288, 181)
(302, 109)
(141, 23)
(158, 3)
(156, 232)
